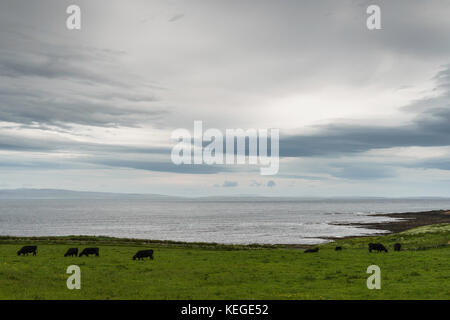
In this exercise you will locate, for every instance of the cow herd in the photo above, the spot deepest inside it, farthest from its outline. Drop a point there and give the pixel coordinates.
(372, 246)
(140, 255)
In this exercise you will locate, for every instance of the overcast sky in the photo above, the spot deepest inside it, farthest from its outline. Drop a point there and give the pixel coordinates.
(360, 112)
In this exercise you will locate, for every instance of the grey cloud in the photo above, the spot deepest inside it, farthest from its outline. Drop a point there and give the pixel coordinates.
(94, 162)
(32, 164)
(97, 154)
(31, 56)
(429, 128)
(326, 48)
(303, 177)
(159, 166)
(229, 184)
(271, 184)
(17, 143)
(61, 111)
(439, 163)
(363, 172)
(61, 84)
(21, 143)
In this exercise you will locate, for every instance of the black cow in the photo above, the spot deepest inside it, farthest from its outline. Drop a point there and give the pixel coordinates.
(311, 250)
(397, 247)
(27, 249)
(87, 251)
(377, 247)
(140, 255)
(338, 249)
(71, 252)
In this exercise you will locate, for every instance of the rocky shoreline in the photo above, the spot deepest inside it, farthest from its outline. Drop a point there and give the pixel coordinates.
(405, 221)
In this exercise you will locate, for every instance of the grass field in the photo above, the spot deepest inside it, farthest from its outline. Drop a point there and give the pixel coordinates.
(202, 271)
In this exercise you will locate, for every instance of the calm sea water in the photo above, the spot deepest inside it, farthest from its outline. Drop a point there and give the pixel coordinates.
(206, 221)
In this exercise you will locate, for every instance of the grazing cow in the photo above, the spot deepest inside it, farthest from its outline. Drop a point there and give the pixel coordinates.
(87, 251)
(71, 252)
(338, 249)
(311, 250)
(397, 247)
(377, 247)
(27, 249)
(140, 255)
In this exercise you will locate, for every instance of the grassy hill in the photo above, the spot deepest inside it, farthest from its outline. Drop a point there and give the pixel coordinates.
(211, 271)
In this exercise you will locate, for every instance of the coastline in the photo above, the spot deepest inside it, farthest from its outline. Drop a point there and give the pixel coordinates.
(405, 221)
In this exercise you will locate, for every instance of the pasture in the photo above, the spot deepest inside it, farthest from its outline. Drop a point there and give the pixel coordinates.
(210, 271)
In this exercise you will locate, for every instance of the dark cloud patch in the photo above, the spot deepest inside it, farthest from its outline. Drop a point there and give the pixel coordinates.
(60, 111)
(302, 177)
(176, 17)
(158, 166)
(362, 172)
(33, 164)
(17, 143)
(229, 184)
(342, 139)
(440, 164)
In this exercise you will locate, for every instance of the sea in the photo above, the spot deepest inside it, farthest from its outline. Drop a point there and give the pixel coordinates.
(220, 221)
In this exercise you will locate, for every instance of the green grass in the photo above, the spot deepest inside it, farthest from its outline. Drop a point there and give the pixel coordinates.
(212, 271)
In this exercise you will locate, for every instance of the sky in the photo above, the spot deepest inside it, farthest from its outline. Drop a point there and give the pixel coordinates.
(360, 112)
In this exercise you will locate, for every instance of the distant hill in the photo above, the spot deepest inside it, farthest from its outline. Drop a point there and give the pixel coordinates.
(68, 194)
